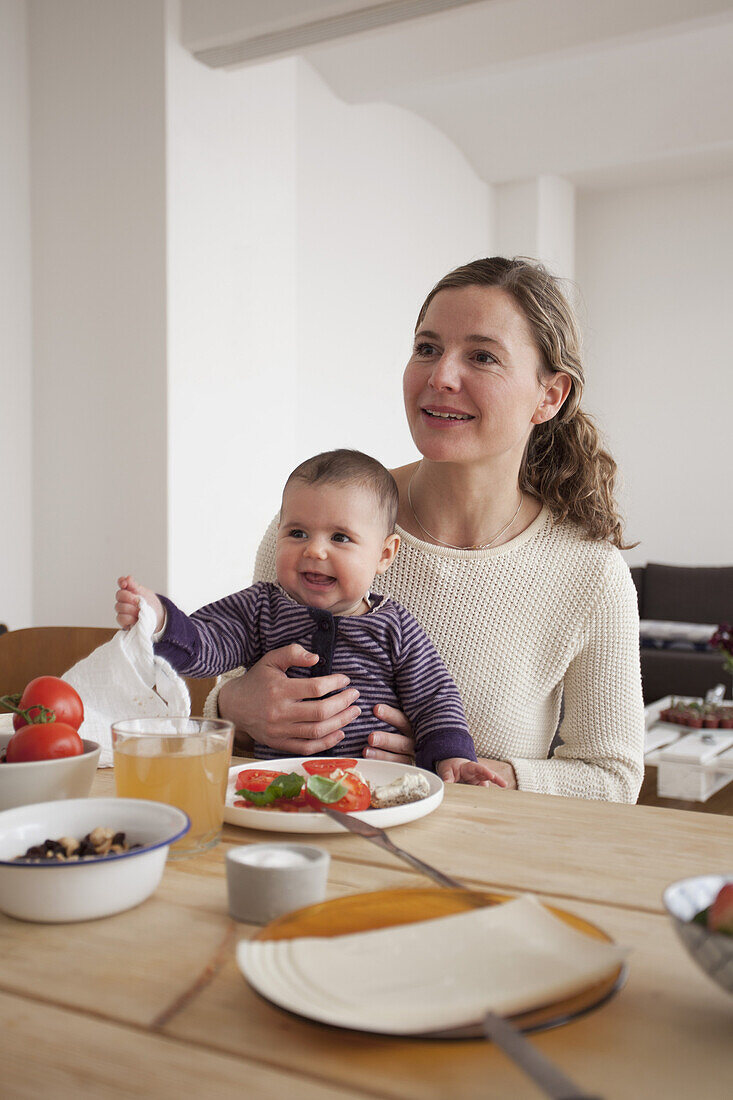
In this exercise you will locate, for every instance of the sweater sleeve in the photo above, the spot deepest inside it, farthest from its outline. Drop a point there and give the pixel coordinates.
(602, 755)
(264, 571)
(430, 699)
(215, 638)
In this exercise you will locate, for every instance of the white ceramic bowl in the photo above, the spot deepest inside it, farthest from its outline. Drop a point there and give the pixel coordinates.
(54, 892)
(712, 951)
(47, 780)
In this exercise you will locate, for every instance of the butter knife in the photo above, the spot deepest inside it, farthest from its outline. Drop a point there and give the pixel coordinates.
(496, 1028)
(542, 1071)
(378, 836)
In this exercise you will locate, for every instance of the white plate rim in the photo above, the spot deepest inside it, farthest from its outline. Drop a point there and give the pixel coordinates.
(382, 771)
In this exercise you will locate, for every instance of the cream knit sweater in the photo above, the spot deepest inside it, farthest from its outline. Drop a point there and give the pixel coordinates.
(518, 625)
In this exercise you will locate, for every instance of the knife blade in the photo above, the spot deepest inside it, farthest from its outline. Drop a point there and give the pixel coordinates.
(379, 837)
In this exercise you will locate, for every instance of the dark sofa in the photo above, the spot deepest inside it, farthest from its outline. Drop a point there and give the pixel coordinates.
(683, 594)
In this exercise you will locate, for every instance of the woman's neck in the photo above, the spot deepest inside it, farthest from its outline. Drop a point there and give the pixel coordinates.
(463, 506)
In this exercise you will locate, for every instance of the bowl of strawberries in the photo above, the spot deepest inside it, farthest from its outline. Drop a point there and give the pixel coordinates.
(701, 909)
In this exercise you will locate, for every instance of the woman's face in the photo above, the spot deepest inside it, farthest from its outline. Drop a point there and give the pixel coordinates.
(472, 389)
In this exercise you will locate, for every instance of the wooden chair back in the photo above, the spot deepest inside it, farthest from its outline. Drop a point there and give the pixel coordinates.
(52, 650)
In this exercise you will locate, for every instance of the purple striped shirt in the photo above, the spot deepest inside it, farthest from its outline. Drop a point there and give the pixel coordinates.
(386, 654)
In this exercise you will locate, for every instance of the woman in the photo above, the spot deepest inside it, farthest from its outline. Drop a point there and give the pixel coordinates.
(510, 553)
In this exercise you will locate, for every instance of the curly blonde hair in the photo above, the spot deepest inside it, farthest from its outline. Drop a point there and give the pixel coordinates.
(565, 464)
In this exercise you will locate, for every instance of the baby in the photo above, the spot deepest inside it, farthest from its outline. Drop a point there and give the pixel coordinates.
(336, 532)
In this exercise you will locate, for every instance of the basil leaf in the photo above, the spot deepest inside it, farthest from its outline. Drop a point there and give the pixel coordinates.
(285, 786)
(701, 917)
(326, 790)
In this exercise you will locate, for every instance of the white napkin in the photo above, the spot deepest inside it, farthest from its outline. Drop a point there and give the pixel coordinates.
(124, 679)
(433, 974)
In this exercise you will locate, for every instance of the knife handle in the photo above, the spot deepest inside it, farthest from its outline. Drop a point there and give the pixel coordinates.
(543, 1072)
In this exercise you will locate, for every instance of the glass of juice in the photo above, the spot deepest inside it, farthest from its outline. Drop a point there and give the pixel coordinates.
(181, 761)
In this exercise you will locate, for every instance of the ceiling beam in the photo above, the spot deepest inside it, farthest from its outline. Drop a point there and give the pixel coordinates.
(299, 36)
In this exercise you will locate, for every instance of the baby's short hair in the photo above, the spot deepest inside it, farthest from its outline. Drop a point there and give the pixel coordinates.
(352, 467)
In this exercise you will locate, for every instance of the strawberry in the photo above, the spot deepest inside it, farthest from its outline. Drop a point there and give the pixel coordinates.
(720, 914)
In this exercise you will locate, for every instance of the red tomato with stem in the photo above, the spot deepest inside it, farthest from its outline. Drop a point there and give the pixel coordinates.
(56, 695)
(43, 741)
(327, 764)
(358, 796)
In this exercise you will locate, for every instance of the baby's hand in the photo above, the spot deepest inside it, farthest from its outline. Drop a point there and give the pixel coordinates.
(458, 770)
(128, 603)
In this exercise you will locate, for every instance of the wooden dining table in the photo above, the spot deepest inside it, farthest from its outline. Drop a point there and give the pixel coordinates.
(150, 1003)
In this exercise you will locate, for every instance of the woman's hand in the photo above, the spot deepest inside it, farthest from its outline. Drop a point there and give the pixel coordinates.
(399, 747)
(286, 713)
(502, 769)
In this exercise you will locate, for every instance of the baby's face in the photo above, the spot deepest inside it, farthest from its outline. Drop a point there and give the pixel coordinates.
(330, 545)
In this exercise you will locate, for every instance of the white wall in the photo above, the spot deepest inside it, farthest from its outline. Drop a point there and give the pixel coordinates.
(386, 206)
(232, 340)
(654, 267)
(290, 318)
(204, 259)
(16, 430)
(537, 218)
(99, 388)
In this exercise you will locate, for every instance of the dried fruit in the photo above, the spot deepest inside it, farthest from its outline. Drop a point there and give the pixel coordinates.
(100, 842)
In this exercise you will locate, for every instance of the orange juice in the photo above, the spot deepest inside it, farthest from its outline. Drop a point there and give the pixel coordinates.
(188, 772)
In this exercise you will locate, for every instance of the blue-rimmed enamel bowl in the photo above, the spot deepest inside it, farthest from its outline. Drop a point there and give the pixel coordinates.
(55, 891)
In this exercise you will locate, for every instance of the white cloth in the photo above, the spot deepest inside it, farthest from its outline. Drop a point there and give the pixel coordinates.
(124, 679)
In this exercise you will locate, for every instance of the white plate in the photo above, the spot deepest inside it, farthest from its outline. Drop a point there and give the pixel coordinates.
(510, 958)
(375, 772)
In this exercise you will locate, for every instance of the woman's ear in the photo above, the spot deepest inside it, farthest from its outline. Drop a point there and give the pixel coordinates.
(389, 549)
(553, 398)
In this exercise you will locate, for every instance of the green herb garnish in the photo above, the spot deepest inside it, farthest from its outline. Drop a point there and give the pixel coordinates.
(285, 786)
(289, 786)
(326, 790)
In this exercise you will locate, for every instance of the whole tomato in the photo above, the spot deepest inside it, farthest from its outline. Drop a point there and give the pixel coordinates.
(56, 695)
(43, 741)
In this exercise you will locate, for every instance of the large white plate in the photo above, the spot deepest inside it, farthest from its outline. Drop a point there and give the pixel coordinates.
(375, 772)
(542, 965)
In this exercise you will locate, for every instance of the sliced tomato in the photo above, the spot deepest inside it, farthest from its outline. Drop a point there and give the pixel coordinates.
(293, 805)
(358, 796)
(326, 764)
(255, 779)
(288, 805)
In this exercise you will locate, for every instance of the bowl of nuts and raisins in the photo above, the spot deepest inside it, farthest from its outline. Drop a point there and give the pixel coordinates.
(84, 858)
